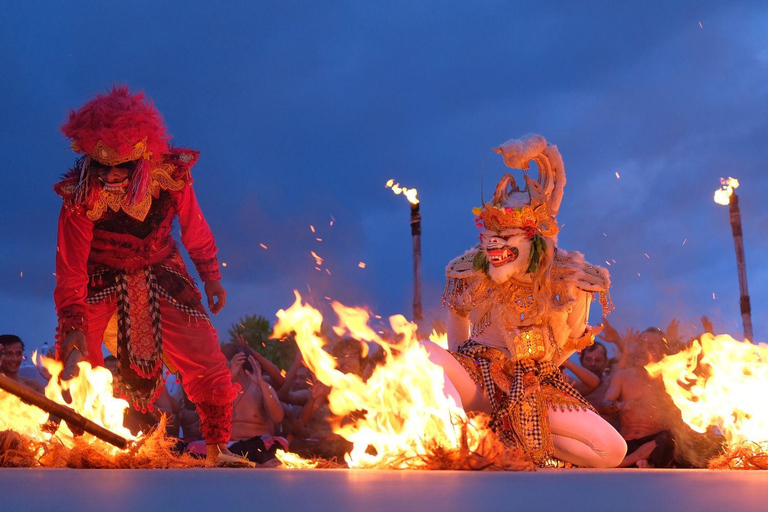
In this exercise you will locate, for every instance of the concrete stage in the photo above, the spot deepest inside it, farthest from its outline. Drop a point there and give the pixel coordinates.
(220, 490)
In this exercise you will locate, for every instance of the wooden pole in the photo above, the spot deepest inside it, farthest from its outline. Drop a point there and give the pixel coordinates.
(72, 418)
(741, 264)
(416, 234)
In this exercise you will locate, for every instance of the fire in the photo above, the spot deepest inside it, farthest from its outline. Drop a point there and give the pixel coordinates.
(439, 339)
(406, 411)
(723, 383)
(293, 461)
(92, 397)
(409, 193)
(723, 194)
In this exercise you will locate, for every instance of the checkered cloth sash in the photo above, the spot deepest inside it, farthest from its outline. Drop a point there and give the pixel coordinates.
(520, 393)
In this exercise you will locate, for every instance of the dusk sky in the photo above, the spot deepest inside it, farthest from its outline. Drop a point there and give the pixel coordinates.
(303, 110)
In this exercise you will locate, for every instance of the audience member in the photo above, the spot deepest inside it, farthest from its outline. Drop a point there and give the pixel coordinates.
(637, 398)
(257, 410)
(13, 355)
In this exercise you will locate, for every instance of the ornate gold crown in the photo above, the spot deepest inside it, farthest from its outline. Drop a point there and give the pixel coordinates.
(533, 218)
(108, 156)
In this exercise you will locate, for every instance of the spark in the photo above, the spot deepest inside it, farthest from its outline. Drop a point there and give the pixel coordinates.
(646, 255)
(607, 262)
(263, 246)
(327, 271)
(327, 298)
(21, 274)
(332, 220)
(319, 239)
(617, 175)
(685, 241)
(312, 228)
(318, 259)
(361, 265)
(613, 260)
(223, 264)
(318, 269)
(714, 297)
(638, 274)
(604, 234)
(702, 26)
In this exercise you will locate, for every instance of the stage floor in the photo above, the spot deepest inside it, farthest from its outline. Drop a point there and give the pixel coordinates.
(219, 490)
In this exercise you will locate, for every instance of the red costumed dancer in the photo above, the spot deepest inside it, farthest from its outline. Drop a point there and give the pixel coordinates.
(119, 275)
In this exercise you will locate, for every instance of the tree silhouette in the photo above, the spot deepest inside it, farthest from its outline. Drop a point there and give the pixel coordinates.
(257, 332)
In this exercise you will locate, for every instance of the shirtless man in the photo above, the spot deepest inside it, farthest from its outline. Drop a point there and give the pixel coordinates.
(12, 349)
(256, 410)
(636, 398)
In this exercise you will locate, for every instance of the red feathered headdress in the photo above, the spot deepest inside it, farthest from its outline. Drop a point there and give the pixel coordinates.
(119, 127)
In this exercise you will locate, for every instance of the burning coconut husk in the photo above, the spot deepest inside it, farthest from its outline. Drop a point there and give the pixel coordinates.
(29, 439)
(400, 417)
(153, 451)
(719, 384)
(490, 454)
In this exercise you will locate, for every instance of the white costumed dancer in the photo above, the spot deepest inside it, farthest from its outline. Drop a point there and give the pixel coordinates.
(518, 307)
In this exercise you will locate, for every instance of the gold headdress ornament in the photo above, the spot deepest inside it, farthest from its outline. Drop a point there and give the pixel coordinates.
(533, 218)
(535, 208)
(108, 156)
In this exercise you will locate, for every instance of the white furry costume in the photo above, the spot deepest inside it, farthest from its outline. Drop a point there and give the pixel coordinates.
(518, 307)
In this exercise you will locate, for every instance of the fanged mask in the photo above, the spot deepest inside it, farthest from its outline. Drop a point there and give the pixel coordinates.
(507, 253)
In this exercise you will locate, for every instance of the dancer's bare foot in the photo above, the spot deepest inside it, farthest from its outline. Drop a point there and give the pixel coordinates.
(213, 451)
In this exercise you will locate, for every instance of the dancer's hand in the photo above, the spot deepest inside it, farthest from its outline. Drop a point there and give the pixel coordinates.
(74, 340)
(213, 289)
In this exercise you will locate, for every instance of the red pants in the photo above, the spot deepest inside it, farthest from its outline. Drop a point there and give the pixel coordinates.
(190, 345)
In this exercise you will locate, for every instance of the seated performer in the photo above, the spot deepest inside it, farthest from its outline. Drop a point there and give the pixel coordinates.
(119, 274)
(518, 309)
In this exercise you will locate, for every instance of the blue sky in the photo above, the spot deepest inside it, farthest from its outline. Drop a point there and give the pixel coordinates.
(302, 111)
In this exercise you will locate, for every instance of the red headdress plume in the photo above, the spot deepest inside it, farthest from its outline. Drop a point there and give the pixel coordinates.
(119, 127)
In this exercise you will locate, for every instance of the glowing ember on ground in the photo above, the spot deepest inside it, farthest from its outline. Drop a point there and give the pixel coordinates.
(407, 414)
(409, 193)
(720, 382)
(293, 461)
(727, 186)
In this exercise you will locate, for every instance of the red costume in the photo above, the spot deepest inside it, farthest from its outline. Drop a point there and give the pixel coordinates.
(119, 275)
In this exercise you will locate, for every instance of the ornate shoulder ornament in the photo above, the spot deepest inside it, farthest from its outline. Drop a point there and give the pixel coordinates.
(462, 278)
(570, 269)
(161, 179)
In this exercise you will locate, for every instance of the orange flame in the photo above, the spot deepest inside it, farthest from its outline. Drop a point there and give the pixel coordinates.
(439, 339)
(407, 410)
(720, 382)
(92, 397)
(409, 193)
(293, 461)
(723, 194)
